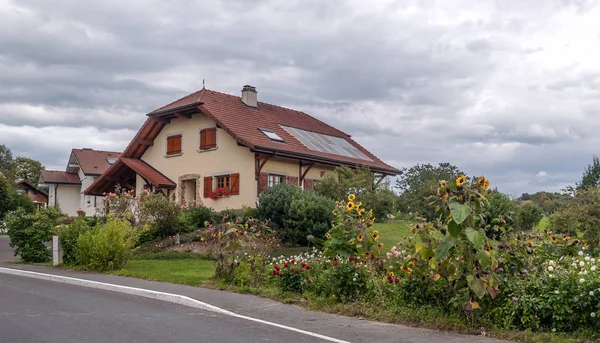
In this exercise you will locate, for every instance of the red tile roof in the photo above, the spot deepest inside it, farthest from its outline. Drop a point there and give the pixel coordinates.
(156, 178)
(94, 162)
(60, 177)
(243, 122)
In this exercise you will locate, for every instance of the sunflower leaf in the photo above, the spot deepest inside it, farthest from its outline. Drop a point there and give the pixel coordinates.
(460, 212)
(454, 228)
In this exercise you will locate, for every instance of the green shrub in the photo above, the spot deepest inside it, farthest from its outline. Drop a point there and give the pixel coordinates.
(309, 214)
(29, 232)
(274, 203)
(499, 214)
(69, 235)
(25, 203)
(228, 215)
(528, 216)
(194, 218)
(160, 213)
(108, 246)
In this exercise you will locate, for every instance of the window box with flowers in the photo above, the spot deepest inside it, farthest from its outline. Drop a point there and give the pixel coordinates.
(221, 186)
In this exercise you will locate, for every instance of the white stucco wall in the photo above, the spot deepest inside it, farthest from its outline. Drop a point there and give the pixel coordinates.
(89, 203)
(228, 158)
(67, 197)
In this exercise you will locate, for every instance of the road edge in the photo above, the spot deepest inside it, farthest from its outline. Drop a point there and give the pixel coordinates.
(161, 296)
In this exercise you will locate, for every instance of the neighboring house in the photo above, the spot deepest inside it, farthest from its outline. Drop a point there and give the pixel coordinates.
(37, 196)
(207, 141)
(66, 188)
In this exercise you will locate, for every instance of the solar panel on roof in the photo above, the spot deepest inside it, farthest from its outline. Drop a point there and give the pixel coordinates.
(326, 143)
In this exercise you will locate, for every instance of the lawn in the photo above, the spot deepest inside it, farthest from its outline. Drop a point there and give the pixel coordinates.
(393, 232)
(192, 272)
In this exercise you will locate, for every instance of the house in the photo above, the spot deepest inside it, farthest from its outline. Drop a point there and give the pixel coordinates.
(222, 150)
(37, 196)
(66, 188)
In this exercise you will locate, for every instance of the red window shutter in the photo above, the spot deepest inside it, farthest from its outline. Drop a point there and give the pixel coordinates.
(174, 145)
(211, 138)
(264, 181)
(207, 186)
(203, 139)
(235, 183)
(308, 184)
(292, 180)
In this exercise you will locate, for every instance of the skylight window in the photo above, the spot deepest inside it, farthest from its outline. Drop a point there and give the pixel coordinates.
(111, 160)
(326, 143)
(272, 135)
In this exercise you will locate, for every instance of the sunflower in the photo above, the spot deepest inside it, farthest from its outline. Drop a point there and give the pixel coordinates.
(461, 180)
(443, 184)
(566, 238)
(486, 184)
(361, 212)
(445, 196)
(481, 180)
(351, 197)
(412, 230)
(358, 205)
(328, 235)
(375, 235)
(359, 238)
(350, 206)
(392, 274)
(370, 213)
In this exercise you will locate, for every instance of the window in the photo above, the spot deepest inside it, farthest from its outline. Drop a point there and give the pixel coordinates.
(174, 145)
(208, 138)
(222, 181)
(111, 160)
(212, 184)
(276, 179)
(272, 135)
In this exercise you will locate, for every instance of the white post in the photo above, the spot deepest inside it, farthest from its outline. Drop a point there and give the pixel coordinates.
(57, 253)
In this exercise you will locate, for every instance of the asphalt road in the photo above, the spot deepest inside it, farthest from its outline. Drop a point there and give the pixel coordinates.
(33, 310)
(6, 252)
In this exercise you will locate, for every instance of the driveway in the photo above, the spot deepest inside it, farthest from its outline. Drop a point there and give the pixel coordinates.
(6, 252)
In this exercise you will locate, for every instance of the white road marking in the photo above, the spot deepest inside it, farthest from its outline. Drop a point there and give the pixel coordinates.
(168, 297)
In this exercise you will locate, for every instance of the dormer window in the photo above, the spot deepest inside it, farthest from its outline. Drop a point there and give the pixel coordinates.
(111, 160)
(272, 135)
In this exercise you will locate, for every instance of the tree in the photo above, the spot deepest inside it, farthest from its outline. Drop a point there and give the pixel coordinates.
(528, 216)
(7, 193)
(27, 169)
(580, 215)
(363, 184)
(591, 175)
(6, 162)
(416, 184)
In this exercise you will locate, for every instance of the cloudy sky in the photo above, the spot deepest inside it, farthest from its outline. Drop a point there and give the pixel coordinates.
(505, 88)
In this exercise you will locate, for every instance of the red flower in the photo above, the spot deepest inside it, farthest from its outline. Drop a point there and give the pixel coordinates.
(285, 265)
(335, 263)
(293, 262)
(277, 268)
(303, 264)
(397, 280)
(297, 271)
(274, 272)
(308, 281)
(306, 267)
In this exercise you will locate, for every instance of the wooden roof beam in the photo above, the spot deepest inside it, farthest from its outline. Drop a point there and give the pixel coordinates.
(183, 115)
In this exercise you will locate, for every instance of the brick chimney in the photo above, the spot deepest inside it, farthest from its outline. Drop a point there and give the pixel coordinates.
(249, 96)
